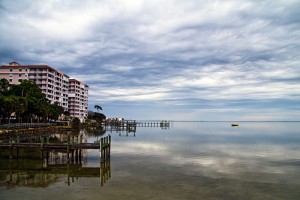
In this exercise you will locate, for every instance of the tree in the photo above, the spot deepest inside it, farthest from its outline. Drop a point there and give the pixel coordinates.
(76, 123)
(66, 113)
(4, 85)
(2, 99)
(38, 104)
(99, 117)
(26, 101)
(55, 111)
(20, 106)
(7, 106)
(97, 107)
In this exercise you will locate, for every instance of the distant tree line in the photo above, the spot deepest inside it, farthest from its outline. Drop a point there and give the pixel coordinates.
(26, 103)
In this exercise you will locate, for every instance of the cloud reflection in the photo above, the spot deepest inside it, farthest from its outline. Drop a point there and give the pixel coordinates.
(260, 156)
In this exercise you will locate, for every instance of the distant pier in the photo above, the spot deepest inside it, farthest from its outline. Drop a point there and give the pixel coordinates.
(130, 124)
(154, 123)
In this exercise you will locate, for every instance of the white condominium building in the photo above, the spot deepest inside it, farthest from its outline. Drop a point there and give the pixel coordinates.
(71, 94)
(78, 98)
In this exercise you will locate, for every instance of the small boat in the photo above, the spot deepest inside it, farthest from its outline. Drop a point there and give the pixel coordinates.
(234, 124)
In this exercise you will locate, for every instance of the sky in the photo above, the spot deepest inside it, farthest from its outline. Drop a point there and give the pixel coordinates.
(172, 60)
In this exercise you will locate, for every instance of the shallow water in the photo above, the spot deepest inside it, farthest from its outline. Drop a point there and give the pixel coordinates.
(190, 160)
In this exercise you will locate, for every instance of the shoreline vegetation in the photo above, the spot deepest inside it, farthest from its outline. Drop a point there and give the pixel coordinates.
(25, 102)
(32, 130)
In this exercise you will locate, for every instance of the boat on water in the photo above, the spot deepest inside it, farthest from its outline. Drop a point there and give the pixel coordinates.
(234, 124)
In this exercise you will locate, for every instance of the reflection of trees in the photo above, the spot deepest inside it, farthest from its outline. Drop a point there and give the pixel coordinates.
(95, 131)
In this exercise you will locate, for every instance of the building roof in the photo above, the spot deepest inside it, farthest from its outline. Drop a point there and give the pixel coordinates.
(75, 80)
(18, 66)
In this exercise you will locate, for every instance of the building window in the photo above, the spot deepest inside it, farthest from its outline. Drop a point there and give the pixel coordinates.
(20, 75)
(10, 80)
(10, 70)
(20, 70)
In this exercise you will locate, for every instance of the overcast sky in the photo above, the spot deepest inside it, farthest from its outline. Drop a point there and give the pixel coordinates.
(170, 59)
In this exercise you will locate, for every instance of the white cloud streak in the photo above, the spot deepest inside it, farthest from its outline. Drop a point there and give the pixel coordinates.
(170, 53)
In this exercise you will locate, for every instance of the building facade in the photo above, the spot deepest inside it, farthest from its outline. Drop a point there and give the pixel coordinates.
(53, 83)
(78, 99)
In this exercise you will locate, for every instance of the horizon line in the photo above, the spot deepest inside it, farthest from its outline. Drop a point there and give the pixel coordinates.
(215, 120)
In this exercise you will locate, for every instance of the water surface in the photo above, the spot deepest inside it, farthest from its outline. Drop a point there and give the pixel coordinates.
(189, 160)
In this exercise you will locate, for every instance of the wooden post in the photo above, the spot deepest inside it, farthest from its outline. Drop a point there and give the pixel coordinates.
(109, 143)
(72, 155)
(10, 148)
(79, 154)
(101, 148)
(47, 158)
(76, 155)
(42, 146)
(102, 173)
(105, 148)
(68, 148)
(68, 172)
(80, 139)
(17, 149)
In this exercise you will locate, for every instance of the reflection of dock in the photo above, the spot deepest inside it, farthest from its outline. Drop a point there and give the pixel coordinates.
(13, 173)
(55, 163)
(126, 134)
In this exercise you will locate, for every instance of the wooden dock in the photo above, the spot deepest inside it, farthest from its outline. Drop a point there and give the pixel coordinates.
(70, 147)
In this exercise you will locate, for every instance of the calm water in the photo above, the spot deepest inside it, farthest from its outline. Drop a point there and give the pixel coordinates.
(203, 160)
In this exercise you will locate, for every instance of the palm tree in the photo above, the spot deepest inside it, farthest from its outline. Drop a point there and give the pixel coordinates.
(20, 107)
(10, 105)
(98, 107)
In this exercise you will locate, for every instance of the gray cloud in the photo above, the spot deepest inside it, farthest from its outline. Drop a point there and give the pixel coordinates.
(192, 55)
